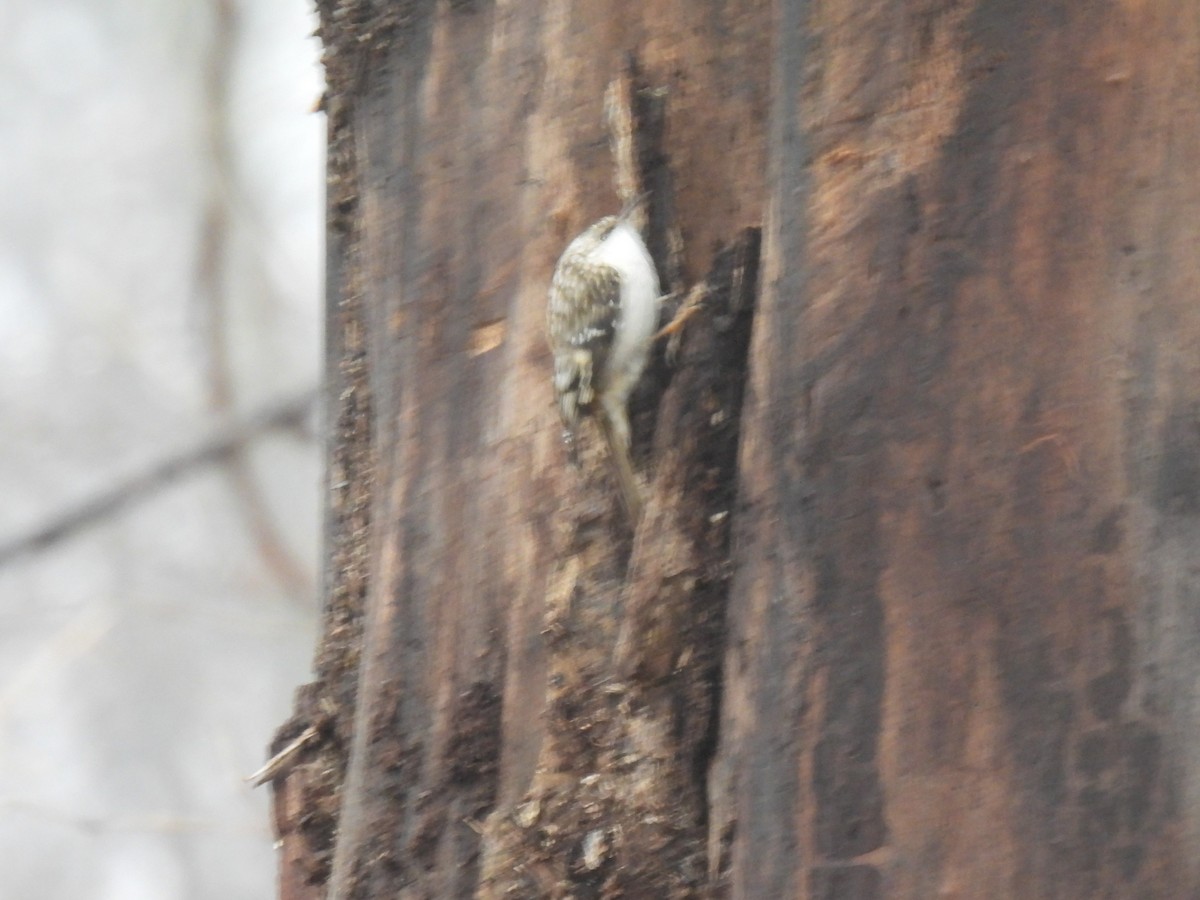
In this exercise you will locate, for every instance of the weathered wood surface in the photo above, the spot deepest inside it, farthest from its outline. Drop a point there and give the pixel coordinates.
(952, 643)
(962, 660)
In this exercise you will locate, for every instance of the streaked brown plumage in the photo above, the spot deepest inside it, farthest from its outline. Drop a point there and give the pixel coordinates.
(601, 318)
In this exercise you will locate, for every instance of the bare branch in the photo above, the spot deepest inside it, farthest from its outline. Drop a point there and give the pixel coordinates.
(223, 443)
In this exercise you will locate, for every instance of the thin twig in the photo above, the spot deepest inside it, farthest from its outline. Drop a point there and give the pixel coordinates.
(276, 765)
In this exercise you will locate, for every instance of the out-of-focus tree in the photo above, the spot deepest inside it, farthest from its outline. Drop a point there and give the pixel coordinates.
(159, 464)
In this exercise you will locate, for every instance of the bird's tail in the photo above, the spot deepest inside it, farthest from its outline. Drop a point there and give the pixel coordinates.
(618, 452)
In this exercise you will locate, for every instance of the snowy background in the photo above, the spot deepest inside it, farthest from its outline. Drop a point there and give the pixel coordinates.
(160, 266)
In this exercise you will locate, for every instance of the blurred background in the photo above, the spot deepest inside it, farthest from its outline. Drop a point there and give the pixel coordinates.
(161, 175)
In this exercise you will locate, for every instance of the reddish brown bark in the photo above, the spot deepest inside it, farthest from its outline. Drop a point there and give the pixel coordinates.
(962, 658)
(949, 649)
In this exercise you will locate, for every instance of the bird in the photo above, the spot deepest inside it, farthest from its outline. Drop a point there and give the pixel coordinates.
(601, 317)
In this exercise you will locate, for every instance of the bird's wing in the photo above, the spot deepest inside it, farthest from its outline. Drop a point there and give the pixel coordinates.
(590, 323)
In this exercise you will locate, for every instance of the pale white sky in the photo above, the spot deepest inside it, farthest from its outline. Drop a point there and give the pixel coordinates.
(160, 280)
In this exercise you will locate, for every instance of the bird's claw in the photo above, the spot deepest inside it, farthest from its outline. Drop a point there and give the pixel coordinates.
(673, 330)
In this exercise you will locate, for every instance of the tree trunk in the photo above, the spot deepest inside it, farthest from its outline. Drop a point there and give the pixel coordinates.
(915, 619)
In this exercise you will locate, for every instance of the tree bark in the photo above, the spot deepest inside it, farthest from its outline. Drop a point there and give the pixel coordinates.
(910, 611)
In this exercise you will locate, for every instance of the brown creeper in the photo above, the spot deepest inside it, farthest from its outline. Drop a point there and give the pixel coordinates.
(601, 317)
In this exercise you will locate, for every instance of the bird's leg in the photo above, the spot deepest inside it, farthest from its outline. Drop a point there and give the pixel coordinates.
(690, 306)
(674, 329)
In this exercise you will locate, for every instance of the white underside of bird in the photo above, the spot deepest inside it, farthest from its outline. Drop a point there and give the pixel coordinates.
(625, 251)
